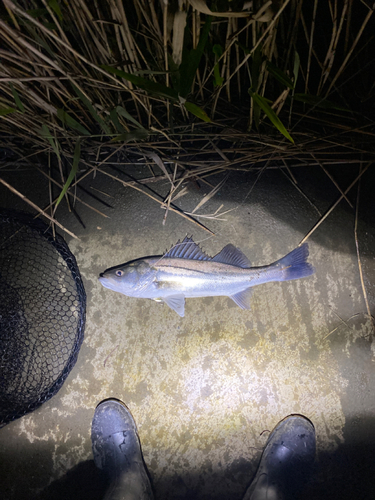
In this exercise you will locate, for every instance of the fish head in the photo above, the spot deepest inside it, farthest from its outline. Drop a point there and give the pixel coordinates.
(126, 278)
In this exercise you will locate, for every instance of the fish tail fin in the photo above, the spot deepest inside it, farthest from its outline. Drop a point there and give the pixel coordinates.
(295, 265)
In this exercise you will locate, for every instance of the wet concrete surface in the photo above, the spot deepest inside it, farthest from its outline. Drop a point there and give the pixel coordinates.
(203, 389)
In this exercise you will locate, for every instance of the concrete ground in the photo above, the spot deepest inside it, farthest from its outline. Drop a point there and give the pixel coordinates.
(206, 389)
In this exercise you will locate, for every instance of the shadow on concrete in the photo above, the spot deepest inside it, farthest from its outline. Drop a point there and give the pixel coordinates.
(84, 481)
(343, 474)
(298, 205)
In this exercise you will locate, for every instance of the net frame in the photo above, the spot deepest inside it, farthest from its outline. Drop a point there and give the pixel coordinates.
(42, 313)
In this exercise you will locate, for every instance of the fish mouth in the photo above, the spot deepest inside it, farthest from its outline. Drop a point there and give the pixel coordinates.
(106, 283)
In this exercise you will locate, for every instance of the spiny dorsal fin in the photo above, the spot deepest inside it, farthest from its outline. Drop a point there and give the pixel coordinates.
(232, 256)
(186, 249)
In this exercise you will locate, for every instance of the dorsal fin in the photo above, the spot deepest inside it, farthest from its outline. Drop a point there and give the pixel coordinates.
(232, 256)
(186, 249)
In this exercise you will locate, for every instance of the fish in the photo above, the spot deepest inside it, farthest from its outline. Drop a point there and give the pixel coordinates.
(187, 271)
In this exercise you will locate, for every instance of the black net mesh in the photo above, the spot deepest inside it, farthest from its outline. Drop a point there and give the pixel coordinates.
(42, 314)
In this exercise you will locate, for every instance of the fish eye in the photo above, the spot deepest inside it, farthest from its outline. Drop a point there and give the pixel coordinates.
(119, 273)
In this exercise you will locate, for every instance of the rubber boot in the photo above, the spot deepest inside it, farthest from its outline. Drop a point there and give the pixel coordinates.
(117, 450)
(286, 461)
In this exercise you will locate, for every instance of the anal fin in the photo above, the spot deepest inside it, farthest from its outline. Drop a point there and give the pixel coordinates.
(242, 299)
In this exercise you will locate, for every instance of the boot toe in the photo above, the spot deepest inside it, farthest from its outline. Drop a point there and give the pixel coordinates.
(114, 435)
(286, 461)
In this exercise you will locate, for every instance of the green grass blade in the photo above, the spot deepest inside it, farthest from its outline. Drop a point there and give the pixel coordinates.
(134, 135)
(92, 110)
(40, 14)
(256, 114)
(314, 100)
(197, 111)
(114, 119)
(141, 72)
(263, 104)
(243, 47)
(296, 67)
(174, 74)
(56, 8)
(256, 63)
(279, 75)
(121, 111)
(37, 12)
(71, 122)
(151, 87)
(54, 143)
(41, 42)
(17, 98)
(191, 60)
(73, 172)
(218, 79)
(6, 111)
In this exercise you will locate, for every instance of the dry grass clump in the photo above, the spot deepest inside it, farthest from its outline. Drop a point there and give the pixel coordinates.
(177, 79)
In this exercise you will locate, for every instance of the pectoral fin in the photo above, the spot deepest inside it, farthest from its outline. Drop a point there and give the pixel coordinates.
(242, 299)
(177, 303)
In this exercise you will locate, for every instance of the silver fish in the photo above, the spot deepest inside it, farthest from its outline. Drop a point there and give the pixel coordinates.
(186, 271)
